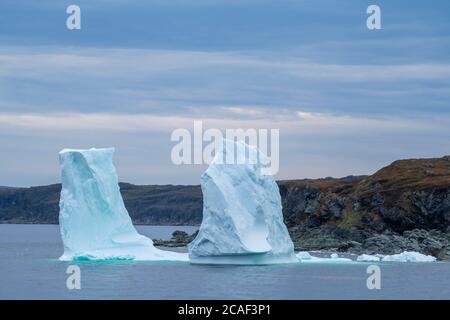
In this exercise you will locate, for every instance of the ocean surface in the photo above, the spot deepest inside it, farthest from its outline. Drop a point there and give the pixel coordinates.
(29, 269)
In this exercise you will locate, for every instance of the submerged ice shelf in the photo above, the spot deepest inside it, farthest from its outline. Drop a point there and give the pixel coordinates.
(306, 257)
(242, 218)
(409, 256)
(406, 256)
(94, 222)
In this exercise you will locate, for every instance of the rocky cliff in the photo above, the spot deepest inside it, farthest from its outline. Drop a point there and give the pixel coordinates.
(404, 206)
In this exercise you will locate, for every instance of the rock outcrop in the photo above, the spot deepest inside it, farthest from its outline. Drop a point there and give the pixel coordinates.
(404, 206)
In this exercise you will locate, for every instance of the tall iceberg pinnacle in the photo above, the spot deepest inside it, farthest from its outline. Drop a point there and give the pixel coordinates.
(94, 222)
(242, 213)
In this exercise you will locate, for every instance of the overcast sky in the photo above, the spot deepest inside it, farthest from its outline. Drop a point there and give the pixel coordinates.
(346, 100)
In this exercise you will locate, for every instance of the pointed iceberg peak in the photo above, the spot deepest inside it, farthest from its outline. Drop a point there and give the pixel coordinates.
(94, 222)
(242, 213)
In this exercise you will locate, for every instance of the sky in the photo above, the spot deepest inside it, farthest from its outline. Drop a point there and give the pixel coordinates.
(347, 100)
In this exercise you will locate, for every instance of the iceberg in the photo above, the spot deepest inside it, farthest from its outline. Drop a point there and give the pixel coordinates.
(408, 256)
(94, 222)
(306, 257)
(367, 258)
(242, 218)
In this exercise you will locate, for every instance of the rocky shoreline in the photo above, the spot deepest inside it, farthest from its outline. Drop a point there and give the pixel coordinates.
(433, 242)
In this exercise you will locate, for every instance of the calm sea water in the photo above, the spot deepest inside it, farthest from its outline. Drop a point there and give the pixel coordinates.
(29, 269)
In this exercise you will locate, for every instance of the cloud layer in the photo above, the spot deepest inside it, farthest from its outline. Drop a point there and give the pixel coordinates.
(346, 100)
